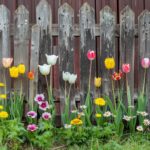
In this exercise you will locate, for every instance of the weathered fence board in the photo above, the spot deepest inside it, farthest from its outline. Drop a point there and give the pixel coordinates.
(44, 20)
(33, 84)
(107, 47)
(87, 42)
(144, 51)
(127, 44)
(66, 42)
(21, 46)
(5, 41)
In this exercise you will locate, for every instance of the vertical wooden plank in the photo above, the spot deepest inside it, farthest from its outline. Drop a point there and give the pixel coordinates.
(35, 42)
(65, 41)
(144, 50)
(127, 26)
(66, 21)
(5, 39)
(107, 47)
(44, 20)
(21, 45)
(87, 41)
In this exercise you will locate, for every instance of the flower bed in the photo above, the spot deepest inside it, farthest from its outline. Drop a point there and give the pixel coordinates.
(103, 121)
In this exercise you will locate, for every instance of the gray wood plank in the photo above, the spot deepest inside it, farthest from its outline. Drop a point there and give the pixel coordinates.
(44, 20)
(127, 20)
(5, 41)
(34, 61)
(144, 51)
(107, 47)
(87, 42)
(66, 42)
(21, 45)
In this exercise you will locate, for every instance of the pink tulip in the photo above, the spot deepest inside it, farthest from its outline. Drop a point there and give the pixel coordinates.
(145, 62)
(32, 127)
(91, 55)
(7, 62)
(126, 68)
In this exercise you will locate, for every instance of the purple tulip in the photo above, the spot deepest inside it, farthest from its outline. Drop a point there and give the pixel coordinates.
(145, 62)
(32, 114)
(46, 116)
(32, 127)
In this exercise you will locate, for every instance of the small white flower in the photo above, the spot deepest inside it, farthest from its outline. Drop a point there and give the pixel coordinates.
(146, 122)
(72, 78)
(139, 128)
(127, 118)
(67, 126)
(51, 59)
(81, 114)
(142, 113)
(44, 69)
(107, 114)
(131, 106)
(83, 107)
(66, 76)
(74, 111)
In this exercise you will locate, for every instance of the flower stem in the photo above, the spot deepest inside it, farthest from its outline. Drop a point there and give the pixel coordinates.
(21, 89)
(113, 94)
(90, 71)
(65, 90)
(144, 82)
(69, 91)
(50, 80)
(47, 89)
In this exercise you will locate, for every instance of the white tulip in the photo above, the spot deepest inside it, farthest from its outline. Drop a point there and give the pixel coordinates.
(66, 76)
(51, 59)
(44, 69)
(72, 78)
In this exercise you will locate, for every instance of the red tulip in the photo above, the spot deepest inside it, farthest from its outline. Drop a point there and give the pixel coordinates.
(91, 55)
(126, 68)
(117, 76)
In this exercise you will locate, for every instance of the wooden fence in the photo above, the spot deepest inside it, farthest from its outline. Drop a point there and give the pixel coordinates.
(32, 42)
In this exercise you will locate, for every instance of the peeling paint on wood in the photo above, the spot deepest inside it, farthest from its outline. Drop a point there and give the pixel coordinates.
(35, 41)
(87, 42)
(144, 51)
(107, 47)
(127, 25)
(44, 20)
(5, 41)
(21, 45)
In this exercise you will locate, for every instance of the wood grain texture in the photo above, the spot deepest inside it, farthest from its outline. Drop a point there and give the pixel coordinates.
(5, 43)
(107, 47)
(87, 42)
(21, 45)
(144, 52)
(34, 57)
(127, 25)
(44, 20)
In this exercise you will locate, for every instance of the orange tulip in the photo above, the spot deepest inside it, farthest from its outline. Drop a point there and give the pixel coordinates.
(31, 75)
(7, 62)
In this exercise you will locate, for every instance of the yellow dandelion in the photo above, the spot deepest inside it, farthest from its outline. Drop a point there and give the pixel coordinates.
(100, 101)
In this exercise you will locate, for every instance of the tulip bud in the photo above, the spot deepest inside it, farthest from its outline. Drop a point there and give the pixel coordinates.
(44, 69)
(51, 59)
(91, 55)
(145, 62)
(97, 82)
(126, 68)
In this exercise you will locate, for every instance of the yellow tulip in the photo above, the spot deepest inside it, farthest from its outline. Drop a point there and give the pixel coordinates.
(3, 96)
(2, 84)
(21, 68)
(3, 114)
(1, 107)
(14, 73)
(97, 82)
(109, 63)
